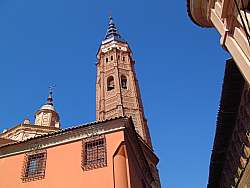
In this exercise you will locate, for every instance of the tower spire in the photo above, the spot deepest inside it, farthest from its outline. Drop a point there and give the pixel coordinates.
(112, 31)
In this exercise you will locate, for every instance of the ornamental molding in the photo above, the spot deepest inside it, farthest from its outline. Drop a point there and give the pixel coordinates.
(106, 49)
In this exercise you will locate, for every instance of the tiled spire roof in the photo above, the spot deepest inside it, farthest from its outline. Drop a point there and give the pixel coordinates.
(112, 31)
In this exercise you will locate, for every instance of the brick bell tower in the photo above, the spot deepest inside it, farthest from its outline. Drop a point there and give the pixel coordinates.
(117, 89)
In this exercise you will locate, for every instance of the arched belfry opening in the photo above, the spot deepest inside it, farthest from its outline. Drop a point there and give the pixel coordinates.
(124, 82)
(110, 83)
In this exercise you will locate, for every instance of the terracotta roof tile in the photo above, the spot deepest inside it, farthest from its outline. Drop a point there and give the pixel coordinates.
(64, 130)
(4, 141)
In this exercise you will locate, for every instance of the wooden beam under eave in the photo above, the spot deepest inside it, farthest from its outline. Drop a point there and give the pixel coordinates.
(225, 7)
(232, 46)
(239, 57)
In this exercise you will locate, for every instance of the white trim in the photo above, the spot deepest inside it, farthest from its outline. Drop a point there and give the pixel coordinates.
(217, 22)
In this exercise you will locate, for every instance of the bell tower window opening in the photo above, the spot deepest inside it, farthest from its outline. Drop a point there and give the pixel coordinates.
(123, 58)
(107, 59)
(111, 58)
(124, 82)
(110, 83)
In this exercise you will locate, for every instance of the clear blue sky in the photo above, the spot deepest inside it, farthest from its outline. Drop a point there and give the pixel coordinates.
(180, 69)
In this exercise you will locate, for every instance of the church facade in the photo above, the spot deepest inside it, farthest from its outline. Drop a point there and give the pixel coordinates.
(114, 151)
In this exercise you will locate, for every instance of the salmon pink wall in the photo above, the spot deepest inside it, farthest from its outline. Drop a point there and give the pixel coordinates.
(63, 168)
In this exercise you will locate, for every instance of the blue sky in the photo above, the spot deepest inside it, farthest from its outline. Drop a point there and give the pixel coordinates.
(179, 66)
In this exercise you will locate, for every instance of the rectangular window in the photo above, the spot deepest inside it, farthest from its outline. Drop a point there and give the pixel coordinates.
(34, 166)
(94, 153)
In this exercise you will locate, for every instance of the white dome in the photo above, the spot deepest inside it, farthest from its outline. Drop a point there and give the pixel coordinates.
(48, 107)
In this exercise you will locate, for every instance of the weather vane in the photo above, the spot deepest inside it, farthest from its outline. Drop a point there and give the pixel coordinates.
(110, 15)
(52, 87)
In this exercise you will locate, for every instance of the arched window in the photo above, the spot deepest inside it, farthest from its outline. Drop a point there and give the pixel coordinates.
(124, 82)
(110, 83)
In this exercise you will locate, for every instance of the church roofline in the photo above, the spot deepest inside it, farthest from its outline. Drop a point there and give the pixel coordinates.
(24, 126)
(80, 132)
(62, 130)
(4, 141)
(46, 141)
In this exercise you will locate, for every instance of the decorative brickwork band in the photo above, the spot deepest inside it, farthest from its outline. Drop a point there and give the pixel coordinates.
(94, 154)
(34, 165)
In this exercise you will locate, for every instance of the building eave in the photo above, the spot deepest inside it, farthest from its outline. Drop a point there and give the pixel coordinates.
(4, 141)
(198, 13)
(230, 99)
(63, 131)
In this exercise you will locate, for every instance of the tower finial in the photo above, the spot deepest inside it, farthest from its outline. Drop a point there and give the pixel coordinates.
(112, 30)
(111, 19)
(50, 99)
(110, 16)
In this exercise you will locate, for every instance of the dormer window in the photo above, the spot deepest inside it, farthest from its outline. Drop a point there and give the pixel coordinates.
(110, 83)
(124, 82)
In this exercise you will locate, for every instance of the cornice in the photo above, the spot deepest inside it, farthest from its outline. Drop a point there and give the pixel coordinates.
(63, 137)
(28, 126)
